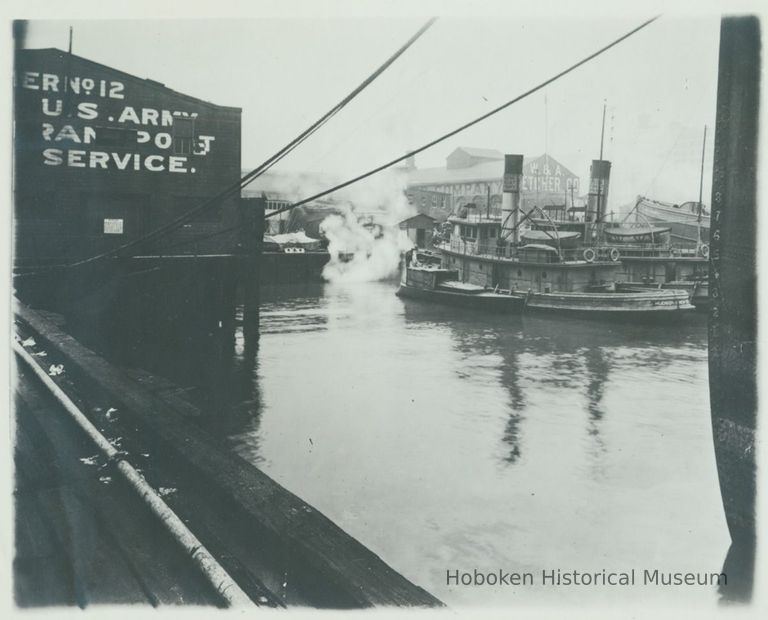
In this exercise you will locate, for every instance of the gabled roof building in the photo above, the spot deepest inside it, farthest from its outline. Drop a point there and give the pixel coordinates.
(474, 175)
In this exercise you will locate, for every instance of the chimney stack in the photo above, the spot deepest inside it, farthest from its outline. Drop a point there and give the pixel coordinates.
(599, 176)
(510, 201)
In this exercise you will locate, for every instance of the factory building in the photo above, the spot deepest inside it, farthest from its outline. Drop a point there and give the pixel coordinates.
(102, 157)
(474, 175)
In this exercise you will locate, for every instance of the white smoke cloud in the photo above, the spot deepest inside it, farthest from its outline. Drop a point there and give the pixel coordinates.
(360, 252)
(380, 199)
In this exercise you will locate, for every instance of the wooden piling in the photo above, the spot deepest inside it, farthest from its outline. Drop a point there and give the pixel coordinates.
(251, 237)
(732, 291)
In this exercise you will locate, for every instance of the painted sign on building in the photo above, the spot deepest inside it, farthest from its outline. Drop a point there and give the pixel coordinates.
(547, 176)
(102, 157)
(88, 122)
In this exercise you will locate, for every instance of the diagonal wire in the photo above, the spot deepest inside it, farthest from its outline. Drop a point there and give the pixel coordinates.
(466, 125)
(236, 187)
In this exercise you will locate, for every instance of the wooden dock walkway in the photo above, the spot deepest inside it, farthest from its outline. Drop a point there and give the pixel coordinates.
(81, 532)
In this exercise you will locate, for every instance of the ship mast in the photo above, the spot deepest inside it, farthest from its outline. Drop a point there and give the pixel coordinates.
(701, 189)
(599, 184)
(599, 189)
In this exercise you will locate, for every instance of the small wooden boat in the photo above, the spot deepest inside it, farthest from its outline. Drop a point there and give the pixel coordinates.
(564, 239)
(684, 221)
(430, 283)
(643, 234)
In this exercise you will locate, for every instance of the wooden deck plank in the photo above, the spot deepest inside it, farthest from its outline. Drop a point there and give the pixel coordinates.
(117, 549)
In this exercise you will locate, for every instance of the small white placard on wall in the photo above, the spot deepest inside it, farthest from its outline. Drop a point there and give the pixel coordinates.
(113, 227)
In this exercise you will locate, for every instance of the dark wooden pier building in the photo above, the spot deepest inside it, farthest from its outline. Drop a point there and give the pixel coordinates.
(103, 157)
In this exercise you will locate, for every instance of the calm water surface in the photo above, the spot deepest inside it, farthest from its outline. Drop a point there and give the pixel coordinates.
(445, 439)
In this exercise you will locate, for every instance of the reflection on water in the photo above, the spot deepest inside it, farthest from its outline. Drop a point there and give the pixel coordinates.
(444, 439)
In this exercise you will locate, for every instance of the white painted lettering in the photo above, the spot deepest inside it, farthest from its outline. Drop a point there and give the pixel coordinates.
(51, 82)
(52, 157)
(163, 140)
(129, 115)
(30, 80)
(116, 90)
(176, 164)
(149, 162)
(47, 107)
(68, 133)
(87, 111)
(98, 159)
(204, 144)
(75, 159)
(149, 116)
(121, 161)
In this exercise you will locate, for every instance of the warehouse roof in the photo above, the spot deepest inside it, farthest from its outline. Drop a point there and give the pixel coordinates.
(479, 172)
(475, 152)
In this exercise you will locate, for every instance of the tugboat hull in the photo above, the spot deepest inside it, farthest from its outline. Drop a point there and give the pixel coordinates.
(487, 301)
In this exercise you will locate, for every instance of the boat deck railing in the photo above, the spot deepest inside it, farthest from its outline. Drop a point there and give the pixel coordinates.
(602, 252)
(491, 250)
(652, 250)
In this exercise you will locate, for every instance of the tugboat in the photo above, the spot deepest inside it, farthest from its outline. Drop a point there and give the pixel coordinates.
(555, 271)
(430, 282)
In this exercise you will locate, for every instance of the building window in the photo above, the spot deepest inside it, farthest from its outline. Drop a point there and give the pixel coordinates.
(544, 275)
(519, 273)
(274, 205)
(183, 135)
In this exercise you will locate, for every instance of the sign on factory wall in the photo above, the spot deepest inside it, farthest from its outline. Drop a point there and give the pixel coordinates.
(546, 175)
(90, 123)
(113, 226)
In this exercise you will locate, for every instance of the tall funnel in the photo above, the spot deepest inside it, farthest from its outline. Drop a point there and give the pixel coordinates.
(599, 176)
(510, 200)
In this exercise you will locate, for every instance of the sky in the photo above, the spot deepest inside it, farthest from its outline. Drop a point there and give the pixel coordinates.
(659, 87)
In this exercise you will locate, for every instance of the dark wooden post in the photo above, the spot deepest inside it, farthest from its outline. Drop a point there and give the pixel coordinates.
(732, 289)
(251, 237)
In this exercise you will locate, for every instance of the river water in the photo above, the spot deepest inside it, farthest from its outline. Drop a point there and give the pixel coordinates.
(445, 439)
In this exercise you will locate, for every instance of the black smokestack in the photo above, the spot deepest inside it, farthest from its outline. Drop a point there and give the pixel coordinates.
(599, 177)
(510, 200)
